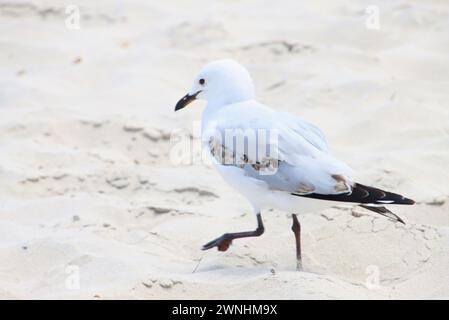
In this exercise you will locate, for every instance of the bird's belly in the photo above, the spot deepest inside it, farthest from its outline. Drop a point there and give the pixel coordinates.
(251, 188)
(261, 197)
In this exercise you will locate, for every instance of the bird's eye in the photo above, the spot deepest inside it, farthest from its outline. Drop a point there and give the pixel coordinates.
(202, 82)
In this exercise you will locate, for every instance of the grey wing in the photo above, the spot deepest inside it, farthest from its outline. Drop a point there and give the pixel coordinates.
(301, 162)
(284, 179)
(308, 175)
(308, 131)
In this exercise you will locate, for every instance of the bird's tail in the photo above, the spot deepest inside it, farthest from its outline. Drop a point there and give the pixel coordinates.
(383, 211)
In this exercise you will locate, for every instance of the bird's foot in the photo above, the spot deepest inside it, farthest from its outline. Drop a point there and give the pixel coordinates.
(222, 243)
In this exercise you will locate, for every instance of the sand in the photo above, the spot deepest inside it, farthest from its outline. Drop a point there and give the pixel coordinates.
(95, 204)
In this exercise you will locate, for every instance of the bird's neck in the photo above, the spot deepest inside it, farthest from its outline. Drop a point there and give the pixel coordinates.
(209, 113)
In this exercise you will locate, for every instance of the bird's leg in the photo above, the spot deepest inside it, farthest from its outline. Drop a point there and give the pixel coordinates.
(223, 242)
(296, 228)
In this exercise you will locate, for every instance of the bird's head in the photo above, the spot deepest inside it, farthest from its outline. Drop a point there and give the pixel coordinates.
(220, 82)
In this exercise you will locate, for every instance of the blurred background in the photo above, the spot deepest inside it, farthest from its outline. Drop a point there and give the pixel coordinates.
(92, 205)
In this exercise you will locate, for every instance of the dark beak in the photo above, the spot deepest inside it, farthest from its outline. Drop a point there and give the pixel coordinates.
(185, 101)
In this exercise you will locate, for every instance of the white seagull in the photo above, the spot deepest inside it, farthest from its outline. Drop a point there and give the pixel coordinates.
(275, 159)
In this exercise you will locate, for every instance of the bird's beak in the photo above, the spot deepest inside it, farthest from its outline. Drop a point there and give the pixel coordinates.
(186, 100)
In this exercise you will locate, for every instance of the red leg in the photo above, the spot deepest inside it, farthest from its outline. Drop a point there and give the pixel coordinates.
(296, 228)
(224, 242)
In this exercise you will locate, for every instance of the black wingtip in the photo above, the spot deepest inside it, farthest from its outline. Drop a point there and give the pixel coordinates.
(362, 194)
(403, 200)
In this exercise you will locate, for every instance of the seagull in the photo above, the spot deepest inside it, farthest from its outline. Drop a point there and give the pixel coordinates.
(274, 159)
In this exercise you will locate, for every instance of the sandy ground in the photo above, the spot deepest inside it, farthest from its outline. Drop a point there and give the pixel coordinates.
(90, 190)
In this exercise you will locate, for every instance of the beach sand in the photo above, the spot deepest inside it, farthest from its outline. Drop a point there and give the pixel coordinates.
(95, 204)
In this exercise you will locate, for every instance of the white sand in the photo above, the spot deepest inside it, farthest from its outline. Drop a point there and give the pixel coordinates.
(86, 178)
